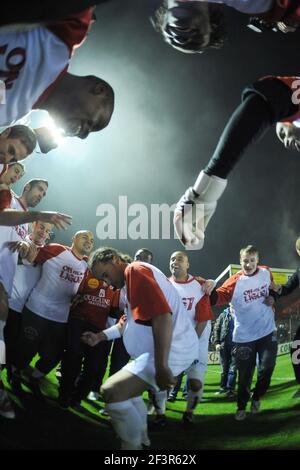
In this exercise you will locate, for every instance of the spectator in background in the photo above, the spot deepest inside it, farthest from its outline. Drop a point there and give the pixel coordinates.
(222, 338)
(281, 291)
(145, 255)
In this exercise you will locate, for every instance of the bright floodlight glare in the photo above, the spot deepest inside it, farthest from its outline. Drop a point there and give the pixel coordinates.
(57, 132)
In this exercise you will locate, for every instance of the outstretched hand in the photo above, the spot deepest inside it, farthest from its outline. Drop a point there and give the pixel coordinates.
(61, 221)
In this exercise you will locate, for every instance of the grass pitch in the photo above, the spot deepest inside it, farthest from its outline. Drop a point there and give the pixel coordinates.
(46, 426)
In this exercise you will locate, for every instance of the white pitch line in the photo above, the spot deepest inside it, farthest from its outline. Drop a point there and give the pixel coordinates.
(273, 378)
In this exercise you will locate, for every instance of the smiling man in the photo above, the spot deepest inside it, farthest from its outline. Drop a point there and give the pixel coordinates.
(35, 64)
(14, 173)
(254, 330)
(16, 143)
(46, 312)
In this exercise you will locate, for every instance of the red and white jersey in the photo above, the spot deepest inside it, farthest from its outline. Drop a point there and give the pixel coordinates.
(150, 293)
(98, 301)
(245, 6)
(196, 303)
(9, 260)
(252, 319)
(197, 306)
(26, 277)
(62, 273)
(32, 62)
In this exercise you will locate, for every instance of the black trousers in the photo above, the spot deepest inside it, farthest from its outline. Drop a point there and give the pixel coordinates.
(11, 334)
(245, 353)
(295, 354)
(263, 104)
(94, 360)
(39, 335)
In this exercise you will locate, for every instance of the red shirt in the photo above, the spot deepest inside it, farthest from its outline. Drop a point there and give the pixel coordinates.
(99, 300)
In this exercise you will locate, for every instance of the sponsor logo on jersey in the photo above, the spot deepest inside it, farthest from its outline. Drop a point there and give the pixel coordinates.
(253, 294)
(188, 302)
(93, 283)
(71, 275)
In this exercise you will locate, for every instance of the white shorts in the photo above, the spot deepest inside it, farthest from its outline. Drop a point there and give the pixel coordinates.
(144, 367)
(197, 371)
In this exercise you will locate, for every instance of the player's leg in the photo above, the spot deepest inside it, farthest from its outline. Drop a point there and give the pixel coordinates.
(245, 354)
(267, 102)
(267, 353)
(118, 393)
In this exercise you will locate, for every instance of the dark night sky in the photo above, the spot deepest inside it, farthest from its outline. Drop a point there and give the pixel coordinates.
(170, 110)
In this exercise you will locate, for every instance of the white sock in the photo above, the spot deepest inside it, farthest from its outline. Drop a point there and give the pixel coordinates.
(127, 423)
(141, 408)
(159, 401)
(37, 374)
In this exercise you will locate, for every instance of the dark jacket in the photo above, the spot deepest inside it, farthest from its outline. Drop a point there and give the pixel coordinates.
(221, 327)
(291, 285)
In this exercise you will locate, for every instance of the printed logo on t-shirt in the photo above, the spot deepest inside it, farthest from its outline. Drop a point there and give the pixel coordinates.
(69, 274)
(97, 301)
(102, 293)
(253, 294)
(188, 302)
(22, 231)
(14, 62)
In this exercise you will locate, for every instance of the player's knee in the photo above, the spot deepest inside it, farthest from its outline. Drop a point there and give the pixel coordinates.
(195, 385)
(108, 393)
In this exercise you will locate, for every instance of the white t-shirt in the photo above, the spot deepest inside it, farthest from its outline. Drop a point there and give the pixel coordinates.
(26, 277)
(252, 318)
(245, 6)
(8, 259)
(197, 306)
(33, 61)
(62, 273)
(150, 293)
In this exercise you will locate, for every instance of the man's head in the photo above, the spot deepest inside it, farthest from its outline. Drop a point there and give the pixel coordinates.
(107, 265)
(14, 172)
(16, 143)
(144, 255)
(41, 232)
(189, 27)
(298, 245)
(80, 105)
(83, 242)
(249, 257)
(289, 135)
(126, 257)
(179, 264)
(34, 191)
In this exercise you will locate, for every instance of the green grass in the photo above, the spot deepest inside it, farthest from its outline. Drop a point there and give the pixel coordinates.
(47, 426)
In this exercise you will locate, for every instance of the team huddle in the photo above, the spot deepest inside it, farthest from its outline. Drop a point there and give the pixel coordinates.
(74, 306)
